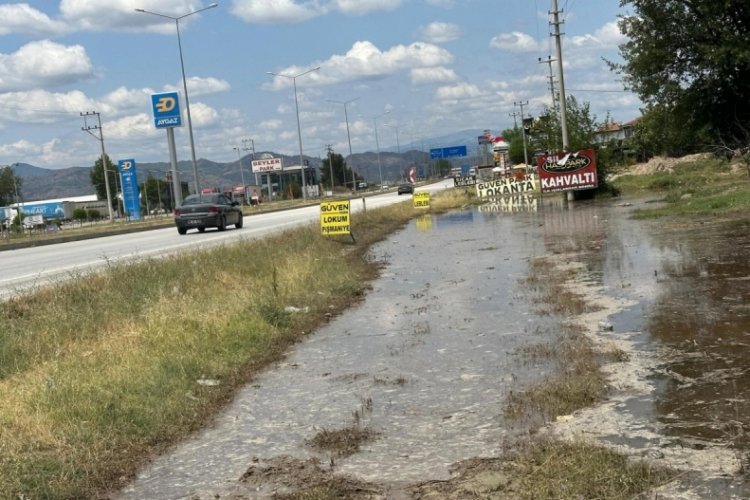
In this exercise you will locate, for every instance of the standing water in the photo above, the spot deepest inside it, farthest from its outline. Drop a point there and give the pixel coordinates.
(426, 361)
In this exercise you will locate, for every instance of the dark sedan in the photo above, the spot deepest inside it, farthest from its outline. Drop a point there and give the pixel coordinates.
(405, 189)
(200, 211)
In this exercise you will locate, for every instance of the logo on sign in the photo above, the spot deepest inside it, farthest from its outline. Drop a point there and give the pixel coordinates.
(568, 163)
(126, 165)
(165, 104)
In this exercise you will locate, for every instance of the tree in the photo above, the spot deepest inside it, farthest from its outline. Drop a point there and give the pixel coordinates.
(340, 171)
(546, 133)
(10, 186)
(97, 180)
(689, 61)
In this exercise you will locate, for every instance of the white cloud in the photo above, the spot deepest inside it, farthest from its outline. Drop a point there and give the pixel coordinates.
(40, 107)
(608, 36)
(43, 64)
(201, 86)
(105, 15)
(272, 124)
(130, 127)
(365, 61)
(438, 74)
(203, 115)
(21, 18)
(516, 42)
(441, 32)
(459, 91)
(360, 7)
(275, 11)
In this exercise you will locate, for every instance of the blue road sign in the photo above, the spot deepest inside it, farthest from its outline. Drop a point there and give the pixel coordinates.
(166, 108)
(451, 152)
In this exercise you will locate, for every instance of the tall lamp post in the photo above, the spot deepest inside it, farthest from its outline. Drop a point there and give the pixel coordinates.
(176, 20)
(377, 145)
(348, 136)
(299, 130)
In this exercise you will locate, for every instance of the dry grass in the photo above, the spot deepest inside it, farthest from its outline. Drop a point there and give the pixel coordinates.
(98, 374)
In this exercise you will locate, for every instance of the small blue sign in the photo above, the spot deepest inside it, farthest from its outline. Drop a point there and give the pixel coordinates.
(451, 152)
(465, 169)
(454, 151)
(166, 108)
(130, 192)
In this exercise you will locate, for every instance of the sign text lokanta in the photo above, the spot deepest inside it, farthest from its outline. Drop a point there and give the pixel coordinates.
(508, 186)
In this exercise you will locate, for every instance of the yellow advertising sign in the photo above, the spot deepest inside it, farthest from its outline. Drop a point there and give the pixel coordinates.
(335, 218)
(421, 199)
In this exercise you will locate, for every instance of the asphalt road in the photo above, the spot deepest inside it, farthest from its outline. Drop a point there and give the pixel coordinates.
(26, 268)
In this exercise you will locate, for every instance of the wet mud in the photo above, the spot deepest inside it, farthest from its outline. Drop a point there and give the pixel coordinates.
(424, 365)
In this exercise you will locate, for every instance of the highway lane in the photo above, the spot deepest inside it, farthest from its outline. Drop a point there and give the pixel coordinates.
(26, 268)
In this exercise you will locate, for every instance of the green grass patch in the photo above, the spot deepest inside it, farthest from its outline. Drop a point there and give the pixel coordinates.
(697, 188)
(98, 374)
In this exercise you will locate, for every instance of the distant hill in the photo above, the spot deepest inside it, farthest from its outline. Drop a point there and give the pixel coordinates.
(43, 183)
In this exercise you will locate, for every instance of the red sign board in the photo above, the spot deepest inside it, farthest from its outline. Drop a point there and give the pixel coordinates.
(568, 171)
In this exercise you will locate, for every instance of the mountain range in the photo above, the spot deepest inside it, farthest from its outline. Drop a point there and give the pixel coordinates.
(48, 183)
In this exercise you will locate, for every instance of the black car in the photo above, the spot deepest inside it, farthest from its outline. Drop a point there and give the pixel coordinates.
(405, 189)
(200, 211)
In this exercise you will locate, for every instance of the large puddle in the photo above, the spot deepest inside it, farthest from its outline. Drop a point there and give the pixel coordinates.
(428, 358)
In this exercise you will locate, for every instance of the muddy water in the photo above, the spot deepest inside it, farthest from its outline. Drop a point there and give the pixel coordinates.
(428, 359)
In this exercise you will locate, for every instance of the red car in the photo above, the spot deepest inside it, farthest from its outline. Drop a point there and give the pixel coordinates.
(200, 211)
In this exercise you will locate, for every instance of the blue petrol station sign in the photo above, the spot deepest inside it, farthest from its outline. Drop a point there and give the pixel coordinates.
(130, 192)
(451, 152)
(166, 108)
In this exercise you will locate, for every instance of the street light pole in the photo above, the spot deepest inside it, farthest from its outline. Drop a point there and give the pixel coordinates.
(377, 145)
(348, 136)
(299, 129)
(184, 82)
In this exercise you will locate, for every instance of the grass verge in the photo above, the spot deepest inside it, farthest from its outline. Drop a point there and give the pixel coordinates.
(697, 188)
(100, 373)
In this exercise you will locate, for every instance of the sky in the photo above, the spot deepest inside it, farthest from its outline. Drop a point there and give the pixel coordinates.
(408, 70)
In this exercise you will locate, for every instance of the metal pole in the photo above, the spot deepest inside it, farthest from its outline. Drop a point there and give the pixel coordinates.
(558, 46)
(184, 83)
(523, 131)
(377, 145)
(330, 164)
(348, 137)
(239, 161)
(299, 137)
(176, 186)
(88, 129)
(299, 129)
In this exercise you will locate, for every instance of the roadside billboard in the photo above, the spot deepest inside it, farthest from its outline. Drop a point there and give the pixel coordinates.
(568, 171)
(267, 165)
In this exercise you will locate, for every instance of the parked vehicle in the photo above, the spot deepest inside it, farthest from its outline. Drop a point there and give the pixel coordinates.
(200, 211)
(405, 189)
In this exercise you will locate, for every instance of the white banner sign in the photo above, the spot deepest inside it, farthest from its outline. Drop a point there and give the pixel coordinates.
(269, 165)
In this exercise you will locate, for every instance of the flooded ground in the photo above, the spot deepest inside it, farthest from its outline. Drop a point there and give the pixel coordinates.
(427, 360)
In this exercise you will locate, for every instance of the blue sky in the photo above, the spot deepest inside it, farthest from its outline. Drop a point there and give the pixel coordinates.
(417, 68)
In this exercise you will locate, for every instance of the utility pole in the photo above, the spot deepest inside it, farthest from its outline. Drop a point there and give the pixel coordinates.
(88, 129)
(245, 148)
(523, 131)
(551, 79)
(558, 44)
(515, 123)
